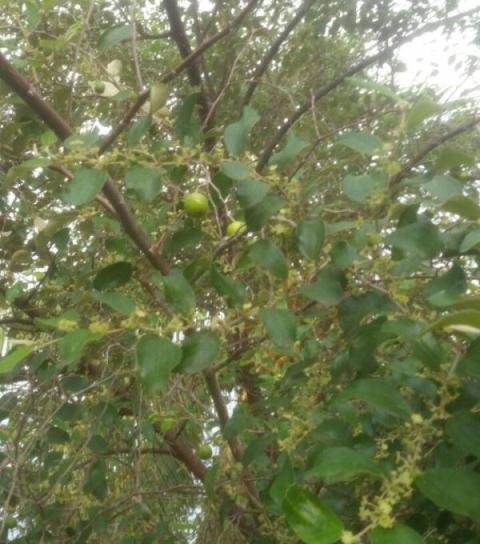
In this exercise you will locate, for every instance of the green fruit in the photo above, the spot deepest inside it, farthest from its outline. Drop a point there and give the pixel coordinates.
(195, 204)
(235, 227)
(99, 87)
(204, 452)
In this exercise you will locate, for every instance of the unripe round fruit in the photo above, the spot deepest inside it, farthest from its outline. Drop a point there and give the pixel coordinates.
(195, 204)
(204, 452)
(235, 227)
(99, 87)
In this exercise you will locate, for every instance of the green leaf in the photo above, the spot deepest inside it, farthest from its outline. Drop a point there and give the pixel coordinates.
(360, 188)
(236, 134)
(112, 276)
(84, 187)
(425, 107)
(462, 206)
(454, 489)
(464, 431)
(251, 192)
(380, 394)
(341, 464)
(283, 480)
(266, 254)
(15, 356)
(446, 289)
(342, 254)
(187, 126)
(114, 36)
(310, 236)
(355, 308)
(471, 240)
(366, 144)
(469, 364)
(399, 534)
(292, 149)
(444, 187)
(466, 321)
(138, 130)
(156, 358)
(420, 239)
(234, 169)
(145, 182)
(235, 292)
(200, 350)
(449, 157)
(311, 520)
(116, 301)
(71, 346)
(281, 326)
(159, 93)
(258, 215)
(96, 483)
(178, 292)
(327, 287)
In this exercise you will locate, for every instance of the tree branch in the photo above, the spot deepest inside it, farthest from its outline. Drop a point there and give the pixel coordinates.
(57, 124)
(328, 87)
(269, 56)
(418, 158)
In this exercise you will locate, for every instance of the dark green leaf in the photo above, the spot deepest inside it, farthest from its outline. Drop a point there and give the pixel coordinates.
(379, 394)
(112, 276)
(283, 480)
(200, 350)
(96, 483)
(367, 144)
(341, 464)
(179, 292)
(446, 289)
(444, 187)
(234, 292)
(258, 215)
(360, 188)
(138, 130)
(464, 431)
(425, 107)
(327, 287)
(267, 255)
(454, 489)
(156, 358)
(234, 169)
(399, 534)
(281, 326)
(117, 301)
(417, 240)
(84, 187)
(71, 345)
(251, 192)
(292, 149)
(471, 240)
(463, 206)
(145, 182)
(236, 134)
(310, 236)
(114, 36)
(311, 520)
(187, 126)
(10, 361)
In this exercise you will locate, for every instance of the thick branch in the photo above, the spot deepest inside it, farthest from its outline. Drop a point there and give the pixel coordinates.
(359, 66)
(30, 95)
(269, 56)
(418, 158)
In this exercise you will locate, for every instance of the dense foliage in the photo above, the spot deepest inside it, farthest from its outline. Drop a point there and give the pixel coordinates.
(239, 275)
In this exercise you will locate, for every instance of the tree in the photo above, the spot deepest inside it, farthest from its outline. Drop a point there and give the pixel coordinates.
(311, 376)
